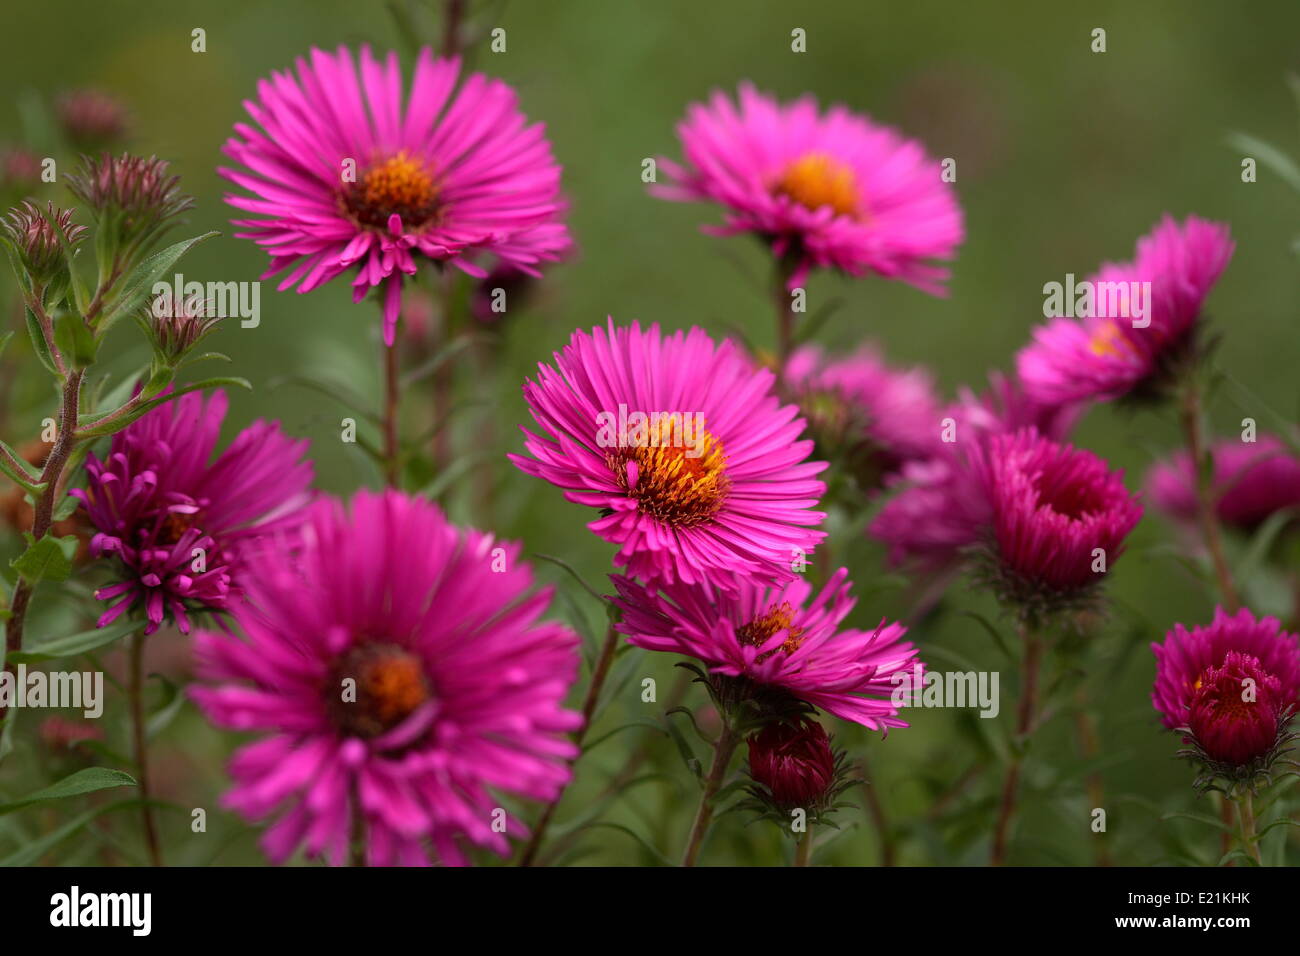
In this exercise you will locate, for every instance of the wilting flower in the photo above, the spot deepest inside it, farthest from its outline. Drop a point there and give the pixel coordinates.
(771, 641)
(1231, 687)
(1251, 481)
(876, 417)
(940, 508)
(709, 484)
(131, 196)
(794, 763)
(35, 235)
(91, 119)
(1059, 517)
(178, 521)
(346, 178)
(829, 189)
(403, 678)
(1113, 352)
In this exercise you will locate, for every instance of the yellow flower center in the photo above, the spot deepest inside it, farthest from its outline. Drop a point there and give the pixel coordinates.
(1109, 340)
(681, 486)
(815, 180)
(400, 184)
(779, 617)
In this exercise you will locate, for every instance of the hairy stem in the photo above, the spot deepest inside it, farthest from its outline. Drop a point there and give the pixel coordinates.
(43, 516)
(723, 748)
(1030, 666)
(392, 450)
(141, 744)
(803, 849)
(1246, 818)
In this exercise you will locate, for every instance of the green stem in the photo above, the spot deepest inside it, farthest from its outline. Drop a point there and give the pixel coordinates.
(803, 849)
(1246, 818)
(723, 749)
(1030, 665)
(1203, 477)
(140, 739)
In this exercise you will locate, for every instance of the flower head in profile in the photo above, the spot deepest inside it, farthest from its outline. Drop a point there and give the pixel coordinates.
(794, 767)
(775, 641)
(178, 520)
(1114, 351)
(344, 177)
(826, 189)
(1230, 687)
(874, 417)
(1251, 481)
(1058, 518)
(402, 679)
(695, 464)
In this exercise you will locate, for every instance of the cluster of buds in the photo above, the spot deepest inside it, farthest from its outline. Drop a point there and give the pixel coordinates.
(38, 239)
(132, 198)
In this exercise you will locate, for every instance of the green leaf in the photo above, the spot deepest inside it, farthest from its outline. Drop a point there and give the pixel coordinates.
(29, 481)
(45, 559)
(93, 430)
(83, 781)
(75, 340)
(33, 850)
(173, 701)
(66, 507)
(4, 340)
(39, 345)
(74, 644)
(1199, 818)
(1270, 156)
(137, 285)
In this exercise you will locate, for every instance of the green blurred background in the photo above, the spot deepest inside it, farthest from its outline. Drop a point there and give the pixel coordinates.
(1064, 156)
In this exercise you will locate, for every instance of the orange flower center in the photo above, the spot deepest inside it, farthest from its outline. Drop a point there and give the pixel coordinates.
(779, 617)
(682, 486)
(400, 184)
(815, 180)
(388, 686)
(1109, 340)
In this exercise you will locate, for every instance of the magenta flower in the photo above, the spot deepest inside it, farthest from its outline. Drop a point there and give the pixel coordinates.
(940, 508)
(345, 177)
(794, 761)
(693, 461)
(1113, 352)
(179, 521)
(1252, 480)
(399, 671)
(829, 189)
(768, 637)
(878, 417)
(1232, 683)
(1059, 517)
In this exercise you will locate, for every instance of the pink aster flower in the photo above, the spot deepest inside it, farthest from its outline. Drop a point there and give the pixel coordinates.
(775, 639)
(878, 417)
(694, 462)
(344, 177)
(1112, 352)
(178, 520)
(939, 508)
(1232, 683)
(830, 189)
(1058, 518)
(399, 671)
(1252, 480)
